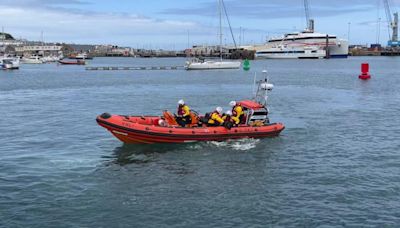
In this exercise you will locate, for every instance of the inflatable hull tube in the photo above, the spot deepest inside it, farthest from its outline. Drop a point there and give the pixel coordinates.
(145, 129)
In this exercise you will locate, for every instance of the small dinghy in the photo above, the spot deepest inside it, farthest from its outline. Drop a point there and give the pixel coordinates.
(76, 62)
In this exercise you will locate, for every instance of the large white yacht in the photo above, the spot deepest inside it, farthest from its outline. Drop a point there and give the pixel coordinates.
(336, 47)
(291, 52)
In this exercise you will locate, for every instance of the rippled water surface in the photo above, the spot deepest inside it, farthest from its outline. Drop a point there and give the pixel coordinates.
(337, 163)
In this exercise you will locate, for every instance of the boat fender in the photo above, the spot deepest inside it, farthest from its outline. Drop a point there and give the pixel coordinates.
(162, 123)
(105, 115)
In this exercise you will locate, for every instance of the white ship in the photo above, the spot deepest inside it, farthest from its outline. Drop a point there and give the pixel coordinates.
(333, 46)
(292, 52)
(336, 47)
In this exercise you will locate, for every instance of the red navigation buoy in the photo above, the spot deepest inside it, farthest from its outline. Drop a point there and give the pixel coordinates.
(364, 72)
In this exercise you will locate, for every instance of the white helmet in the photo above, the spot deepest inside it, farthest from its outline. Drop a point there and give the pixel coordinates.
(219, 110)
(181, 102)
(232, 103)
(229, 112)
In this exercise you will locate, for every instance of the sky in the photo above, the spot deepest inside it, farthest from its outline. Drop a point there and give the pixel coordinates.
(173, 24)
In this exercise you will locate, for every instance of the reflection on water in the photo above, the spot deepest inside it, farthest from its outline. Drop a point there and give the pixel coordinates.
(178, 168)
(142, 153)
(145, 153)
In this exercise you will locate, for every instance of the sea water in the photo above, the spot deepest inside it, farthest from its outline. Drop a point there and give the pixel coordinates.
(337, 163)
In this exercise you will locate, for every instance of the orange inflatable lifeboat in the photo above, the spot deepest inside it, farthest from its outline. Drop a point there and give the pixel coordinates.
(164, 129)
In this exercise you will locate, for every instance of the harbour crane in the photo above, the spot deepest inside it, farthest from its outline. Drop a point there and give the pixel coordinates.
(309, 22)
(393, 25)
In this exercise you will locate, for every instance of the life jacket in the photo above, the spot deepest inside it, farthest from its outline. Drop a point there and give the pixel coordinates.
(215, 112)
(235, 112)
(181, 110)
(217, 119)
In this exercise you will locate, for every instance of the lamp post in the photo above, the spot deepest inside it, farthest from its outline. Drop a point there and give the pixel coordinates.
(348, 31)
(378, 33)
(240, 36)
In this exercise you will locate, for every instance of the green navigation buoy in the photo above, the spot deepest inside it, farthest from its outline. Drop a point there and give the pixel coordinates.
(246, 65)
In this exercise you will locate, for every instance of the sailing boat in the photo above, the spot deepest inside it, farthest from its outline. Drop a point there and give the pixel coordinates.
(197, 64)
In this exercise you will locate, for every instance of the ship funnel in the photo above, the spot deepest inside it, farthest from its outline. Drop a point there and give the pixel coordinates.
(311, 25)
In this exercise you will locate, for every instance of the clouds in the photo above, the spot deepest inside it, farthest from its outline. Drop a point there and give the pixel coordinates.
(272, 9)
(42, 3)
(166, 23)
(83, 26)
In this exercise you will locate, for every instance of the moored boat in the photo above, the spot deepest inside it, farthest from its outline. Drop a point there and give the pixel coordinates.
(322, 42)
(80, 56)
(9, 63)
(211, 65)
(196, 64)
(76, 62)
(34, 59)
(51, 59)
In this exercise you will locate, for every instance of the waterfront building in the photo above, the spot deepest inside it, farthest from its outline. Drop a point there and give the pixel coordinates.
(43, 50)
(113, 50)
(8, 40)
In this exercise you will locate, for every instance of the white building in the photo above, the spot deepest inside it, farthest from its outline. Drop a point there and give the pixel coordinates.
(38, 48)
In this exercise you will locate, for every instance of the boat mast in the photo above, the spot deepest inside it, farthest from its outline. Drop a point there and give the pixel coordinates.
(220, 29)
(3, 36)
(229, 23)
